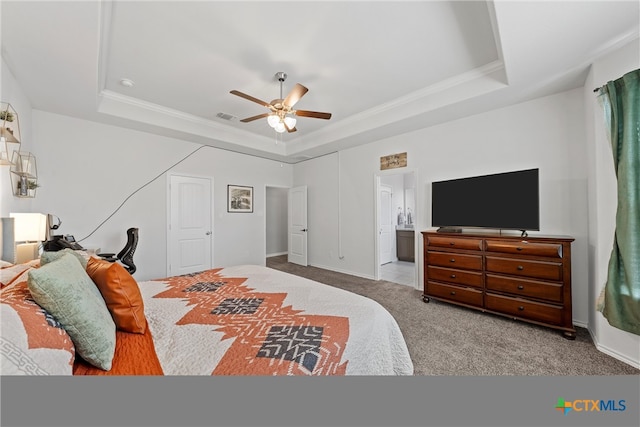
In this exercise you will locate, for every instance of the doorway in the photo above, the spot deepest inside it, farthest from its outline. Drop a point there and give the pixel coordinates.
(276, 206)
(286, 224)
(190, 224)
(396, 217)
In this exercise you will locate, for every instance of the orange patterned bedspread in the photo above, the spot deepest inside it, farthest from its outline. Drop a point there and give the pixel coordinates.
(252, 320)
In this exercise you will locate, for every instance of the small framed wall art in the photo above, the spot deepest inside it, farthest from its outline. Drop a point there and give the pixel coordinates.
(393, 161)
(239, 198)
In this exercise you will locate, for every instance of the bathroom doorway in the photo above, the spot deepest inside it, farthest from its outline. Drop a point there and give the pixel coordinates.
(396, 244)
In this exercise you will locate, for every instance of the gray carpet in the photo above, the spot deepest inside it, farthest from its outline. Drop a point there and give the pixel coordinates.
(444, 339)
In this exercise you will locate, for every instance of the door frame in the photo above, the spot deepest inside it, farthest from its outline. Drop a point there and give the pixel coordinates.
(417, 220)
(168, 213)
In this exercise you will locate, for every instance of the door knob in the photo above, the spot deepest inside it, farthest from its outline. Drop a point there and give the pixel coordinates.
(304, 229)
(208, 233)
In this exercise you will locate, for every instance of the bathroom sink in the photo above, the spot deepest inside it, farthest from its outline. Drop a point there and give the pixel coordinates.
(404, 227)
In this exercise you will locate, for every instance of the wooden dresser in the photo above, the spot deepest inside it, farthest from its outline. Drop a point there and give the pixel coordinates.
(524, 278)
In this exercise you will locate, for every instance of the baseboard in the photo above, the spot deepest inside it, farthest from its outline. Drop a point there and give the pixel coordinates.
(613, 353)
(581, 324)
(277, 254)
(337, 270)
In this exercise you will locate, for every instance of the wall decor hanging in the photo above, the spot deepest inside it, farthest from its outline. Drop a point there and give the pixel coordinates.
(393, 161)
(239, 198)
(10, 137)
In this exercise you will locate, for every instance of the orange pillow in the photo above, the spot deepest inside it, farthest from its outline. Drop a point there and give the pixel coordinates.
(121, 293)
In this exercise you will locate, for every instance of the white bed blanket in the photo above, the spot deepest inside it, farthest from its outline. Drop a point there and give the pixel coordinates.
(254, 320)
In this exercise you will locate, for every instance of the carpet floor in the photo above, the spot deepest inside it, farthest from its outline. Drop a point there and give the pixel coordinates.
(444, 339)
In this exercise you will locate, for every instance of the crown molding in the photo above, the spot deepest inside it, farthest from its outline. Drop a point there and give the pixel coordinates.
(188, 126)
(426, 92)
(382, 119)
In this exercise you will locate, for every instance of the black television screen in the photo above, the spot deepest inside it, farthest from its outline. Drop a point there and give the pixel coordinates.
(505, 201)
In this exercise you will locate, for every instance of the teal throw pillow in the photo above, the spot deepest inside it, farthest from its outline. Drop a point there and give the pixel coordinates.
(64, 289)
(49, 256)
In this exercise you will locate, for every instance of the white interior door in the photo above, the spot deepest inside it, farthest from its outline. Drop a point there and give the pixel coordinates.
(190, 230)
(297, 224)
(386, 227)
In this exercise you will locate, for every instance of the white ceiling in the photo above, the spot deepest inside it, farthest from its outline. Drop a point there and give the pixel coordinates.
(381, 68)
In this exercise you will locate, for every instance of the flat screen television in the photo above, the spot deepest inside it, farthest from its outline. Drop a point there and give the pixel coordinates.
(504, 201)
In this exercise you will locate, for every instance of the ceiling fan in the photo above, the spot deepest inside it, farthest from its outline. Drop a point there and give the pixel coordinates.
(281, 117)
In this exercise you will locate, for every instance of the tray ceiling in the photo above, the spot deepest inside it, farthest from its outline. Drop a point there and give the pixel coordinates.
(381, 68)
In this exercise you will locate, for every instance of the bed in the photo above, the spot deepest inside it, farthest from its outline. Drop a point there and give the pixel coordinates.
(240, 320)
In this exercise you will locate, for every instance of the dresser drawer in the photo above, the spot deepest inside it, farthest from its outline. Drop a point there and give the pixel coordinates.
(550, 250)
(540, 312)
(455, 243)
(521, 267)
(526, 288)
(444, 259)
(451, 275)
(455, 293)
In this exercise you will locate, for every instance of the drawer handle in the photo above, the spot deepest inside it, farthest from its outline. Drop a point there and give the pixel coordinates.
(453, 292)
(451, 243)
(520, 268)
(520, 287)
(453, 276)
(452, 260)
(521, 308)
(519, 248)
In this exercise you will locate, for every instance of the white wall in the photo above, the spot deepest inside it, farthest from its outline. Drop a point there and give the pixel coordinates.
(546, 133)
(603, 200)
(11, 92)
(276, 220)
(320, 175)
(88, 169)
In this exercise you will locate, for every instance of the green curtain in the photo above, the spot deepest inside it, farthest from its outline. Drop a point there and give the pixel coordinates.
(620, 304)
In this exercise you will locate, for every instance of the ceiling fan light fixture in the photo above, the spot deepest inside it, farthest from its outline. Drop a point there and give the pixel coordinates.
(273, 120)
(280, 127)
(290, 122)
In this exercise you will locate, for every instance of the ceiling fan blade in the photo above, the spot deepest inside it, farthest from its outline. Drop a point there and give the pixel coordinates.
(314, 114)
(250, 98)
(294, 96)
(250, 119)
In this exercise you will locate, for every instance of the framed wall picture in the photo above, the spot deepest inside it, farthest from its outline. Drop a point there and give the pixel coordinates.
(393, 161)
(239, 198)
